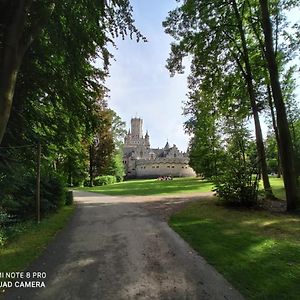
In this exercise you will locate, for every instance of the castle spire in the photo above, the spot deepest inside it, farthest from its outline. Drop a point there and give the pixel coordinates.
(167, 146)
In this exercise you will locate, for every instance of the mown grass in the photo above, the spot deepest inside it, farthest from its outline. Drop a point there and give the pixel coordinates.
(153, 187)
(175, 186)
(277, 187)
(18, 253)
(258, 252)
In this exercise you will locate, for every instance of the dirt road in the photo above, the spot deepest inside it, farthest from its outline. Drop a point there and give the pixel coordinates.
(122, 248)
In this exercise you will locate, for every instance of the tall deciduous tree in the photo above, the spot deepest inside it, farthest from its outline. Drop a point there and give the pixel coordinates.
(286, 147)
(82, 25)
(216, 36)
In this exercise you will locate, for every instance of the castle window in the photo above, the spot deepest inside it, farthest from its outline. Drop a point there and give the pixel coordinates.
(174, 154)
(153, 166)
(157, 166)
(173, 167)
(168, 166)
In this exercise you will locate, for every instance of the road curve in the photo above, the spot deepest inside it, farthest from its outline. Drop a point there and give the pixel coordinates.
(115, 248)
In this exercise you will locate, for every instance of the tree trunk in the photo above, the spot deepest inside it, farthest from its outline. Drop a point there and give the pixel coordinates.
(258, 133)
(91, 170)
(286, 146)
(274, 123)
(16, 37)
(7, 85)
(11, 56)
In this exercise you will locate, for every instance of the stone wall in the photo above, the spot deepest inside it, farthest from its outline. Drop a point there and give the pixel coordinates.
(155, 169)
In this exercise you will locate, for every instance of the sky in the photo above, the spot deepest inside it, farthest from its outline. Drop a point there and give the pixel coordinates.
(139, 83)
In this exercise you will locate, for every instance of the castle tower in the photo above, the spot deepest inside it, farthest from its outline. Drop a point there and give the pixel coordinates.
(137, 128)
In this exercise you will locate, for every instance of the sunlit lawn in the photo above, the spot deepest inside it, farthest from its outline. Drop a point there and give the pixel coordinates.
(175, 186)
(277, 187)
(153, 187)
(258, 252)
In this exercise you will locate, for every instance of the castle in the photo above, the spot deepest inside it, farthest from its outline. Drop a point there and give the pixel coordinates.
(141, 161)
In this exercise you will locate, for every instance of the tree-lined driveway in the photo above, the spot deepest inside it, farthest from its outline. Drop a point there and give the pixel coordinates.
(121, 248)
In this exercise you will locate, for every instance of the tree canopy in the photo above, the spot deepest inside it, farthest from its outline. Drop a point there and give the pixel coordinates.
(232, 69)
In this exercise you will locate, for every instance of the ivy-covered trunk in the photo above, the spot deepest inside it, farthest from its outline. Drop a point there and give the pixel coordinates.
(286, 147)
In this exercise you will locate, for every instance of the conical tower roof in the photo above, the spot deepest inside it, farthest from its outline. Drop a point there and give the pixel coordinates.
(167, 146)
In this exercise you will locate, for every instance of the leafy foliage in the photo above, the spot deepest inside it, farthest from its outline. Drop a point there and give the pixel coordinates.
(18, 194)
(229, 75)
(105, 180)
(61, 59)
(237, 185)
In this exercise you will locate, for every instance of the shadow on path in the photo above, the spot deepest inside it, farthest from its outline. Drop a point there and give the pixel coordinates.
(120, 248)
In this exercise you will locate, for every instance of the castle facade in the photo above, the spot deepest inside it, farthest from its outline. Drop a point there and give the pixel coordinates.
(141, 161)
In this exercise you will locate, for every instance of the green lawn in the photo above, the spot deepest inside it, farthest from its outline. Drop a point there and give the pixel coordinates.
(153, 187)
(277, 187)
(28, 245)
(176, 186)
(258, 252)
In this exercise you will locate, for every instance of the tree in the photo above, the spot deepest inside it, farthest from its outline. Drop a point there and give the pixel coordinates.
(286, 146)
(20, 23)
(205, 151)
(215, 34)
(81, 29)
(105, 150)
(237, 184)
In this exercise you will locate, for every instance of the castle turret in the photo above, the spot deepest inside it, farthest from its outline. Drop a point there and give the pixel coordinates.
(167, 146)
(137, 128)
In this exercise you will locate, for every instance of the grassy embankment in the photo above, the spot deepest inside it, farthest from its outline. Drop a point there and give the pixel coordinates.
(31, 240)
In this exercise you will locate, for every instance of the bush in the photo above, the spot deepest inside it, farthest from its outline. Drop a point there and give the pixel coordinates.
(104, 180)
(237, 186)
(53, 193)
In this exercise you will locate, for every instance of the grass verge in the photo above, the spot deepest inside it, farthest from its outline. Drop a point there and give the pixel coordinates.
(153, 187)
(258, 252)
(28, 245)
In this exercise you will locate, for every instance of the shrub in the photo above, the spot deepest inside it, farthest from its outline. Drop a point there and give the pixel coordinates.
(53, 193)
(104, 180)
(237, 186)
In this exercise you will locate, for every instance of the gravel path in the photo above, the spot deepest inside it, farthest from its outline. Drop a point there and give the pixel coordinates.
(122, 248)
